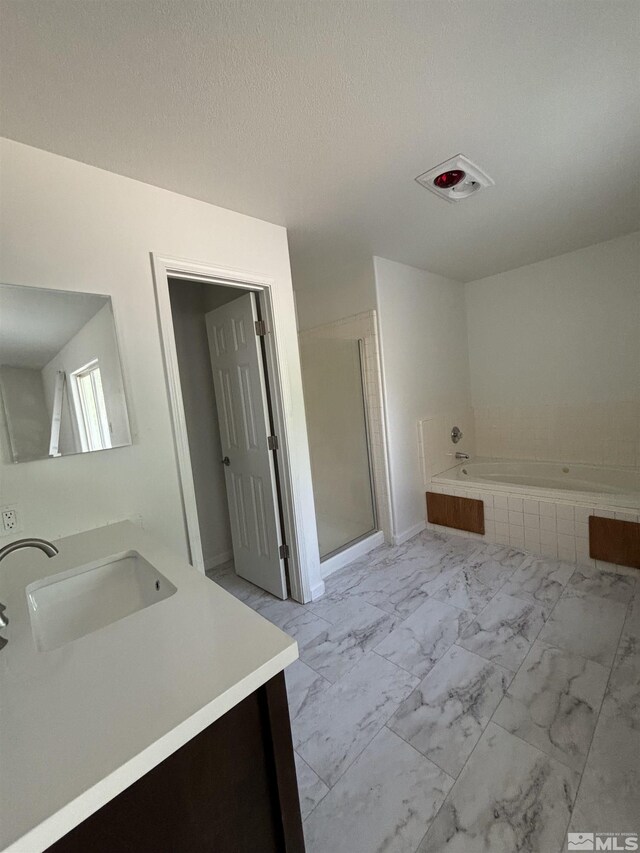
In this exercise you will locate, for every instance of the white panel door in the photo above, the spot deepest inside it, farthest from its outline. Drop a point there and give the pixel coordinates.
(238, 378)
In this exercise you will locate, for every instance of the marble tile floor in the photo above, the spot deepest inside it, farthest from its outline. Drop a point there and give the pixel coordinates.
(454, 696)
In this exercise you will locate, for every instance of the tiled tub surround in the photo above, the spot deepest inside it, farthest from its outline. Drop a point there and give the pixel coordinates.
(592, 434)
(435, 448)
(551, 523)
(540, 525)
(603, 433)
(457, 696)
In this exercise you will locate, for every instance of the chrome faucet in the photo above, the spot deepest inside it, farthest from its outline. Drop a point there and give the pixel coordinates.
(461, 455)
(49, 549)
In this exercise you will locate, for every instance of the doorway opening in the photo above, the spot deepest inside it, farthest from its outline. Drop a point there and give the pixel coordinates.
(226, 400)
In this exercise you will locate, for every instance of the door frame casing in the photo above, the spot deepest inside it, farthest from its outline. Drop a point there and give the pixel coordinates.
(164, 268)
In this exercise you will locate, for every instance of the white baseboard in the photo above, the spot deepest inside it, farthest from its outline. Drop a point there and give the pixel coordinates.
(317, 591)
(399, 538)
(339, 561)
(217, 560)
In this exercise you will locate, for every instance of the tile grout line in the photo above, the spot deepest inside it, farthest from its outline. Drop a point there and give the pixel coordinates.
(444, 802)
(385, 723)
(421, 754)
(491, 720)
(322, 780)
(604, 696)
(584, 766)
(465, 561)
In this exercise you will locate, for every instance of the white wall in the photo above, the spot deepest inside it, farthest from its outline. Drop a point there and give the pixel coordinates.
(190, 301)
(70, 226)
(565, 330)
(554, 350)
(426, 371)
(333, 290)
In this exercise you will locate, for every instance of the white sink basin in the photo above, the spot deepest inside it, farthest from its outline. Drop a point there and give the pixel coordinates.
(77, 602)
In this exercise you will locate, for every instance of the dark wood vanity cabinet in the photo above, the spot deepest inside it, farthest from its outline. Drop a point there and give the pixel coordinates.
(232, 789)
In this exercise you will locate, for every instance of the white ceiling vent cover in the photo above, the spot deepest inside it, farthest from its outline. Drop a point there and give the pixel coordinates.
(455, 179)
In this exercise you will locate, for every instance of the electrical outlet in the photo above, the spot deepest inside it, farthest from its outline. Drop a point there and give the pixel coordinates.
(9, 519)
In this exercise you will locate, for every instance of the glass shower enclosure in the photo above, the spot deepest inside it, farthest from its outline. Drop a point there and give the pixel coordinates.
(332, 376)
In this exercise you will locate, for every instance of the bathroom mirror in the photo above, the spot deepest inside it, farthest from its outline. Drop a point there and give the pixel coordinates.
(60, 375)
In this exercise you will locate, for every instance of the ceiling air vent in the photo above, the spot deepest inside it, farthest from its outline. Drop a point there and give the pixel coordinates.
(455, 179)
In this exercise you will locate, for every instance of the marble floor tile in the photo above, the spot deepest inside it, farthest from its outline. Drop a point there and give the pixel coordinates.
(626, 666)
(446, 541)
(553, 703)
(304, 686)
(333, 731)
(337, 649)
(416, 554)
(632, 622)
(226, 568)
(384, 803)
(541, 581)
(297, 621)
(246, 592)
(311, 788)
(465, 591)
(397, 587)
(442, 561)
(401, 589)
(373, 584)
(504, 631)
(428, 551)
(622, 699)
(510, 798)
(337, 606)
(420, 641)
(350, 577)
(612, 585)
(493, 564)
(446, 714)
(393, 618)
(608, 799)
(585, 625)
(279, 612)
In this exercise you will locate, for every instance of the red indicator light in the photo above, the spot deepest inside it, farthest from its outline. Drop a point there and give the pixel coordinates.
(449, 179)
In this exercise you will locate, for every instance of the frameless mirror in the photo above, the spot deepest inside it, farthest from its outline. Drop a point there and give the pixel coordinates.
(60, 374)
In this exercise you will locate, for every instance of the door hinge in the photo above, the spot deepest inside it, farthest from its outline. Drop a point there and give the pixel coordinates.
(272, 442)
(261, 328)
(284, 552)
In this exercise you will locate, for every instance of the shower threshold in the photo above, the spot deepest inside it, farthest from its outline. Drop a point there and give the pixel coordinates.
(351, 551)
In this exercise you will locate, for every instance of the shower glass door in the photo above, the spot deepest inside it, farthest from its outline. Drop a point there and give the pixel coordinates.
(338, 441)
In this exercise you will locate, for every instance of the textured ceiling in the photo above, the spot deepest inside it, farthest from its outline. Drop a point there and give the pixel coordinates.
(318, 116)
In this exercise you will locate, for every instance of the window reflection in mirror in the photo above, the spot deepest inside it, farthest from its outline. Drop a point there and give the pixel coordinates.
(60, 374)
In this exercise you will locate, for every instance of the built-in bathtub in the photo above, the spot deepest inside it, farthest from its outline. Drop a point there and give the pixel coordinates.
(618, 486)
(544, 507)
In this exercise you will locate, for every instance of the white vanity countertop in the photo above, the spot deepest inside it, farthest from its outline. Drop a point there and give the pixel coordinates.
(82, 722)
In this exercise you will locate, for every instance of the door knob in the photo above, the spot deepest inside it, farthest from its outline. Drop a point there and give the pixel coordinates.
(226, 461)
